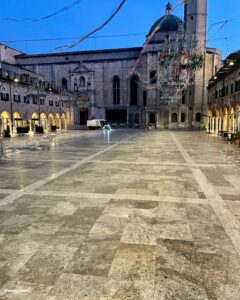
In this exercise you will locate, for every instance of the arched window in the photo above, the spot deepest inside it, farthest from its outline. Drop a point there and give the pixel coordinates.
(183, 97)
(134, 90)
(174, 118)
(198, 117)
(153, 77)
(116, 90)
(64, 84)
(144, 98)
(182, 117)
(82, 81)
(16, 96)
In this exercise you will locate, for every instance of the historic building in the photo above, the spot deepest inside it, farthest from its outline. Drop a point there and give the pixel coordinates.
(224, 97)
(99, 84)
(27, 101)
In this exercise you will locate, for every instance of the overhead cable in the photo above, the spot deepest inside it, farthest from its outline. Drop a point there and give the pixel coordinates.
(95, 30)
(63, 9)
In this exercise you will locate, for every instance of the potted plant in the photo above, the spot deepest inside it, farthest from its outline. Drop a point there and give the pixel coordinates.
(237, 140)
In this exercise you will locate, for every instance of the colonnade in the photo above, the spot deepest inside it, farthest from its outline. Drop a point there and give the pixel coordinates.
(27, 124)
(227, 120)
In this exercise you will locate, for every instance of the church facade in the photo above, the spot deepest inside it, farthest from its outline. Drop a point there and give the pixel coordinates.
(99, 84)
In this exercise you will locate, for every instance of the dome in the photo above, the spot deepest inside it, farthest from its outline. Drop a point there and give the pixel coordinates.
(167, 23)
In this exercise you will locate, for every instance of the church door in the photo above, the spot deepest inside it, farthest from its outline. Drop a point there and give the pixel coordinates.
(83, 116)
(152, 118)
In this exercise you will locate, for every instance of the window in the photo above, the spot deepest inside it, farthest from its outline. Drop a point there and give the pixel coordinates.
(153, 77)
(174, 118)
(144, 98)
(198, 117)
(57, 103)
(50, 103)
(16, 98)
(82, 81)
(183, 97)
(236, 86)
(134, 90)
(35, 100)
(64, 84)
(116, 90)
(75, 87)
(4, 96)
(42, 101)
(183, 118)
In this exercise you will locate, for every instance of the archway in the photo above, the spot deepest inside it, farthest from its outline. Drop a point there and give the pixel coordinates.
(57, 121)
(44, 121)
(63, 121)
(237, 114)
(233, 120)
(225, 119)
(229, 118)
(220, 122)
(34, 121)
(174, 118)
(216, 123)
(5, 123)
(17, 120)
(51, 120)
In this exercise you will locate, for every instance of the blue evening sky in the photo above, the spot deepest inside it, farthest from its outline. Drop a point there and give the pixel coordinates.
(136, 17)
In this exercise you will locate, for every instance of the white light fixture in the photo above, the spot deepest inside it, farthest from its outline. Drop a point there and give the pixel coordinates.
(16, 80)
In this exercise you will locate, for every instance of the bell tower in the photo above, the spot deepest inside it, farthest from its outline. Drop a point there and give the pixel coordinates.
(195, 19)
(195, 22)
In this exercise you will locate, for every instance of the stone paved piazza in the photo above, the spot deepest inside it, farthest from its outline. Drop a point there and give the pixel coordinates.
(121, 215)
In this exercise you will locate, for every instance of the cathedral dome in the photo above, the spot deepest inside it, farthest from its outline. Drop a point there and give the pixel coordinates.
(167, 23)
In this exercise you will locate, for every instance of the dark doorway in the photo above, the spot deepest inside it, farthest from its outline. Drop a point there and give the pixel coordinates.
(152, 118)
(83, 116)
(182, 117)
(64, 84)
(134, 90)
(198, 117)
(174, 118)
(116, 115)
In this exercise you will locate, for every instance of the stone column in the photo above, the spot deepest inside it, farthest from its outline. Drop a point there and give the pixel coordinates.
(217, 125)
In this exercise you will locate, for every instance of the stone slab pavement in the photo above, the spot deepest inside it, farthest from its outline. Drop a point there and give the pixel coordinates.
(126, 214)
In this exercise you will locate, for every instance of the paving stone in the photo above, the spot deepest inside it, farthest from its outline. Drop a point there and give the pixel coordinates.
(149, 215)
